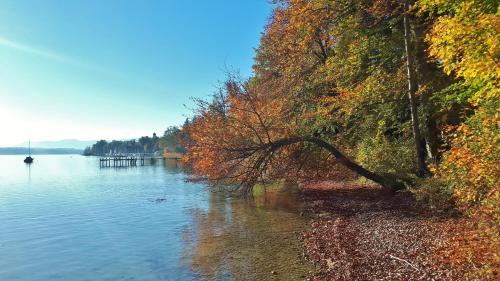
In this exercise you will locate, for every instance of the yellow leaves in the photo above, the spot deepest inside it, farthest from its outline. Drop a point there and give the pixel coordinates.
(467, 43)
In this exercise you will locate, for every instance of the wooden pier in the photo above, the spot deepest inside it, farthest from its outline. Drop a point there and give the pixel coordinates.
(133, 160)
(121, 161)
(172, 156)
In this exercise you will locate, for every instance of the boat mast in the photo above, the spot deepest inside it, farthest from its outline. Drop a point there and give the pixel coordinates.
(29, 147)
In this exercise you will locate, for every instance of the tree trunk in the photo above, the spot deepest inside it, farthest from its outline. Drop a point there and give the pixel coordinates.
(412, 89)
(389, 184)
(431, 76)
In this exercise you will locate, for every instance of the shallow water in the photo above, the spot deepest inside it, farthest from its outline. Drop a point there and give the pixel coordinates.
(64, 218)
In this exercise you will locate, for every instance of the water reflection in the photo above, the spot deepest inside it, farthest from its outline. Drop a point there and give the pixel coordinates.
(28, 167)
(172, 165)
(248, 239)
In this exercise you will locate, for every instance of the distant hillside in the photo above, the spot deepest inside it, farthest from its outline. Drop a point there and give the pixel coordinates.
(68, 143)
(38, 151)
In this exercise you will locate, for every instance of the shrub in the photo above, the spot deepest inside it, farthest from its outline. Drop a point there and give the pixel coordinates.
(434, 194)
(471, 167)
(387, 157)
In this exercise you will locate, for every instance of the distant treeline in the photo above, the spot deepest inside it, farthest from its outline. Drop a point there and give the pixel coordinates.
(171, 140)
(37, 151)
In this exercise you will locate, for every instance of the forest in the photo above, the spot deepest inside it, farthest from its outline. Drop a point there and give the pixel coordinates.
(169, 141)
(404, 94)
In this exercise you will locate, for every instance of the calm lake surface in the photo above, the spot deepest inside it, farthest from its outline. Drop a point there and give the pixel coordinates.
(64, 218)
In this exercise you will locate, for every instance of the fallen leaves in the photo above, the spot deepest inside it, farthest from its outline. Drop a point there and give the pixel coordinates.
(373, 236)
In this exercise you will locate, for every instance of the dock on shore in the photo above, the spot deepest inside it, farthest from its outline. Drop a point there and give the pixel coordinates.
(122, 161)
(134, 160)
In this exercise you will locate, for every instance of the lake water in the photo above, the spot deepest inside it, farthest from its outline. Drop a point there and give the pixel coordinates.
(64, 218)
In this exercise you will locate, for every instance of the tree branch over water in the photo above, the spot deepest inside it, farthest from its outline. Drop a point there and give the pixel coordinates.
(231, 141)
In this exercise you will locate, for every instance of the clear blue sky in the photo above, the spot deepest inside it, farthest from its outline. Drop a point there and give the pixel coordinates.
(116, 69)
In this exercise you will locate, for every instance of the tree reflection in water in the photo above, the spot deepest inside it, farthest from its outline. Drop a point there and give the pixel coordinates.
(249, 239)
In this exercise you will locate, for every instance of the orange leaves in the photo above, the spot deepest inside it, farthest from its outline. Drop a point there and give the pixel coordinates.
(228, 133)
(471, 165)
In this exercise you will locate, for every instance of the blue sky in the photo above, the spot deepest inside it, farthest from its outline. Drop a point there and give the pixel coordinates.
(116, 69)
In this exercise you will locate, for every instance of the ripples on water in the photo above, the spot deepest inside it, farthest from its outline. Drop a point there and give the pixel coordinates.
(64, 218)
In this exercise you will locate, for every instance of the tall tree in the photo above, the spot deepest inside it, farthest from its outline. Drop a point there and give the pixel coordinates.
(412, 90)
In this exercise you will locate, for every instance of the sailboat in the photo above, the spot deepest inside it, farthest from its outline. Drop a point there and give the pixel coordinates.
(29, 159)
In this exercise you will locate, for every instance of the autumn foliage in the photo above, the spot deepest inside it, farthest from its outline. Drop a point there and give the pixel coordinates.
(336, 71)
